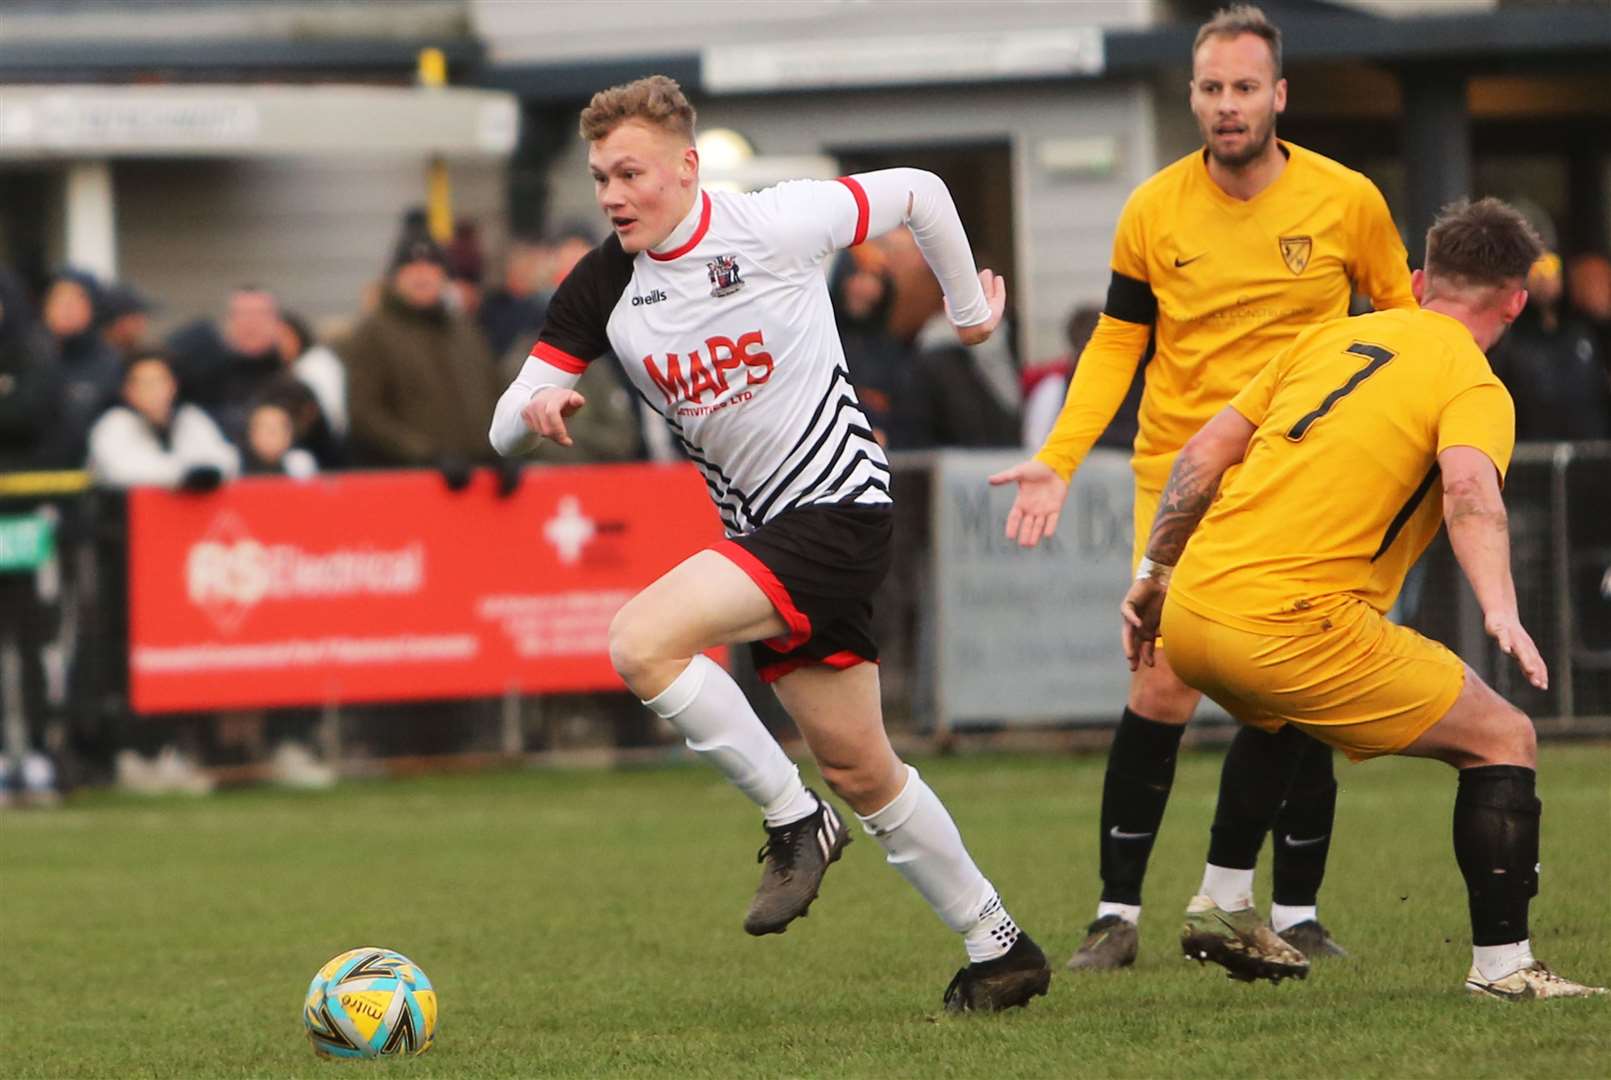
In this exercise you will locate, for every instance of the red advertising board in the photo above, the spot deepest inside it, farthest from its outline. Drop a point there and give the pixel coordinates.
(387, 586)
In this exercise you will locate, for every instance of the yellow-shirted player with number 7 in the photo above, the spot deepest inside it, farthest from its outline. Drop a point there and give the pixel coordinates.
(1220, 259)
(1355, 444)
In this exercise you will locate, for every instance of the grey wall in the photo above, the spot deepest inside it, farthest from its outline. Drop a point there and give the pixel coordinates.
(1064, 221)
(314, 230)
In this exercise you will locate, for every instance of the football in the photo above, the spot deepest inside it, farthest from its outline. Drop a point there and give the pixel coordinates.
(370, 1002)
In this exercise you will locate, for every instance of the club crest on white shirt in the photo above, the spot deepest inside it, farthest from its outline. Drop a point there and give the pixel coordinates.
(724, 279)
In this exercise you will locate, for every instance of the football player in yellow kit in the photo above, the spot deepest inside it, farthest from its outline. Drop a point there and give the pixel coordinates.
(1220, 259)
(1354, 443)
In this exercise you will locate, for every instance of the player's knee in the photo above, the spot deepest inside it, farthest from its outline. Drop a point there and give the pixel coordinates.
(632, 646)
(861, 785)
(1162, 699)
(1523, 739)
(1510, 739)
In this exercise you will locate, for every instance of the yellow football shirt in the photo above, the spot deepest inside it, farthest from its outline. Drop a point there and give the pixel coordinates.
(1338, 493)
(1224, 283)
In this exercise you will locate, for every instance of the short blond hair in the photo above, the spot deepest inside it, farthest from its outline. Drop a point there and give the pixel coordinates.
(656, 100)
(1239, 19)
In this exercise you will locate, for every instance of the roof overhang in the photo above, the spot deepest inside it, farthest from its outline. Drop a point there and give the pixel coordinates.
(230, 120)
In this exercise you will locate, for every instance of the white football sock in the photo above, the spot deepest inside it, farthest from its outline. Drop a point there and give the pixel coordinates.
(922, 842)
(1130, 913)
(1284, 917)
(1497, 961)
(1231, 890)
(708, 709)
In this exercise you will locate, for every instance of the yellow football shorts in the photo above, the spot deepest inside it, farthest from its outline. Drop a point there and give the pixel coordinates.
(1365, 685)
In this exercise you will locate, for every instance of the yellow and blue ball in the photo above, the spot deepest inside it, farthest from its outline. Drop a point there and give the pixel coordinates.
(370, 1002)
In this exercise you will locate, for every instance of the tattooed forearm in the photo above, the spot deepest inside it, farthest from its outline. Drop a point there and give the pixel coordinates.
(1185, 500)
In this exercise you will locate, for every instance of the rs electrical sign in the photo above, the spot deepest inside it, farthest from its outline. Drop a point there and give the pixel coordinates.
(386, 586)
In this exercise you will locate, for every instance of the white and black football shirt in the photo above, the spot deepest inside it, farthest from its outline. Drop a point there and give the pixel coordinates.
(731, 337)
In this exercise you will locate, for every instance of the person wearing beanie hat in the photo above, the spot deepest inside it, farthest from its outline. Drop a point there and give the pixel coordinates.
(420, 380)
(92, 369)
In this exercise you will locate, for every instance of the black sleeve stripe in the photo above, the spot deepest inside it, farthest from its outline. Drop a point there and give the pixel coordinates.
(1130, 300)
(580, 311)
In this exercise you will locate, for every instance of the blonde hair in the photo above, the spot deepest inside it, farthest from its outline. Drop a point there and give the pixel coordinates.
(1239, 19)
(656, 100)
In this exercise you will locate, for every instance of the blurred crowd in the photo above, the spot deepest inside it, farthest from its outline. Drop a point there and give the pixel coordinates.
(410, 381)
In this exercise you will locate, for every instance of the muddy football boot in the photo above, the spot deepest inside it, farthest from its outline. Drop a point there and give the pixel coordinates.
(795, 856)
(1532, 983)
(1239, 942)
(1006, 982)
(1110, 943)
(1313, 940)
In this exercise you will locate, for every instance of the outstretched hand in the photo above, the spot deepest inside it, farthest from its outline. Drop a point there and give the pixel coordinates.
(1514, 641)
(995, 290)
(1040, 500)
(1142, 610)
(545, 413)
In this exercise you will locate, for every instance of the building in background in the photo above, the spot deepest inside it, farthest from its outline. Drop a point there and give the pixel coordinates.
(1041, 117)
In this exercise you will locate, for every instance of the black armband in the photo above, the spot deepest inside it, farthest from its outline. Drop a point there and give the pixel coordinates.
(1130, 300)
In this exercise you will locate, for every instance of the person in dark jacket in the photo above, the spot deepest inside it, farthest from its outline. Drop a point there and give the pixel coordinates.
(958, 395)
(1551, 365)
(32, 400)
(421, 384)
(863, 291)
(91, 368)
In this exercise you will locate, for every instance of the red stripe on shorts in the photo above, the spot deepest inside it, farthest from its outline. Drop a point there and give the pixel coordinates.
(799, 625)
(771, 673)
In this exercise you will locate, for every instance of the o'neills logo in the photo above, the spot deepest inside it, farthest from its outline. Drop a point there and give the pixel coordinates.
(227, 573)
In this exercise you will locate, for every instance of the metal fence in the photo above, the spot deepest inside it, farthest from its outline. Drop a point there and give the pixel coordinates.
(63, 648)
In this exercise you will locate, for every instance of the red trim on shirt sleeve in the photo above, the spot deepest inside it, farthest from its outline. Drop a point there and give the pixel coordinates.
(561, 359)
(862, 211)
(799, 625)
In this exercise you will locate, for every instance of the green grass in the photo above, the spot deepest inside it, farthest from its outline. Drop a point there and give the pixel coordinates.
(587, 924)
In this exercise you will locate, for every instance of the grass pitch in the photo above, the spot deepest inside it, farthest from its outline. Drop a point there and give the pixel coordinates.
(588, 924)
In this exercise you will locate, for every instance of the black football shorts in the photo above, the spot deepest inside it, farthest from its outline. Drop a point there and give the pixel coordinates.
(819, 565)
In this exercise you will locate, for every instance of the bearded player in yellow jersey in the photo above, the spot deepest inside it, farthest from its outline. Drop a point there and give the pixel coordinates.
(1353, 444)
(1220, 259)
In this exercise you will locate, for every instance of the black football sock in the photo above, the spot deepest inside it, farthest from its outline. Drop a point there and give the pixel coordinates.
(1496, 844)
(1141, 770)
(1258, 770)
(1303, 827)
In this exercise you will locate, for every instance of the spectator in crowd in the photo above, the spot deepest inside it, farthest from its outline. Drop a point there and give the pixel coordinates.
(91, 368)
(1045, 387)
(464, 264)
(271, 448)
(33, 389)
(32, 397)
(312, 386)
(125, 319)
(318, 367)
(956, 394)
(223, 368)
(151, 438)
(1552, 367)
(520, 303)
(863, 292)
(420, 382)
(1588, 280)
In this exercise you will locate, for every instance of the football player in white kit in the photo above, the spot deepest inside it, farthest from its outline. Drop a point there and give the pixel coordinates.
(718, 308)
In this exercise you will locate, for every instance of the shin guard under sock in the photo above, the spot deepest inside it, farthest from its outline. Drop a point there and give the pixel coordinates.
(1303, 828)
(1141, 770)
(1496, 844)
